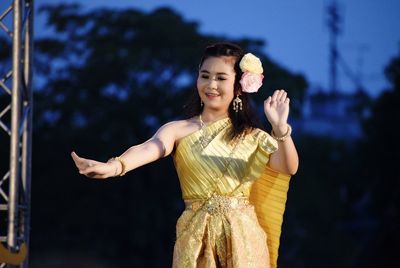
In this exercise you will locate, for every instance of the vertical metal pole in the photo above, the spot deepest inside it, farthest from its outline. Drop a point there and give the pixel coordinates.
(333, 24)
(15, 123)
(27, 137)
(333, 64)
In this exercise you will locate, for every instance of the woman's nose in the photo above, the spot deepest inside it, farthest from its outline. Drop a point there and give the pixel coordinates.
(212, 84)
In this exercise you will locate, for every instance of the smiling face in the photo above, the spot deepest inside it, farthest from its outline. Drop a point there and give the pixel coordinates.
(215, 83)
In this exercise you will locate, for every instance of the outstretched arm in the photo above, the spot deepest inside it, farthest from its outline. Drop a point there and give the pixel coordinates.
(276, 108)
(160, 145)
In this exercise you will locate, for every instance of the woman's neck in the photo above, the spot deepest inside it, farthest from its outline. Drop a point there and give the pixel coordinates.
(209, 116)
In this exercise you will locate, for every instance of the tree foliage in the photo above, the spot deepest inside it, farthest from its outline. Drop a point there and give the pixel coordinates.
(380, 158)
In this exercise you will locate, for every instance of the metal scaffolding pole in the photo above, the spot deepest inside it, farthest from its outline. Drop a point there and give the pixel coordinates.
(15, 125)
(27, 134)
(15, 183)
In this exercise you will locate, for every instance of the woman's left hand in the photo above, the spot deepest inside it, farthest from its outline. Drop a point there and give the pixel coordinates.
(276, 109)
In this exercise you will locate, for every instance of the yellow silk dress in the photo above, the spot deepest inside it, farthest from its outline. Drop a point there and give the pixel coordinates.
(234, 202)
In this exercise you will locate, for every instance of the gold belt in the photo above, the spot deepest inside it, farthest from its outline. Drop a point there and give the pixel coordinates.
(217, 204)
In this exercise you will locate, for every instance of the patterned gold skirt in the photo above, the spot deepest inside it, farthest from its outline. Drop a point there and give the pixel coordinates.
(220, 232)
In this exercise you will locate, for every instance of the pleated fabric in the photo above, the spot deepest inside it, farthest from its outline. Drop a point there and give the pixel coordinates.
(269, 195)
(208, 164)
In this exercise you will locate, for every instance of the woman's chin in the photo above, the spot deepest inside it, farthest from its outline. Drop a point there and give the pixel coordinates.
(215, 106)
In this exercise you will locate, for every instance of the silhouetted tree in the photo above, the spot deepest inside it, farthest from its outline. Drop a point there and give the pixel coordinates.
(381, 157)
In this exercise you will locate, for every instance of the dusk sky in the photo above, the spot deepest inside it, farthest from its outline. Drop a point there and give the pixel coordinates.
(295, 31)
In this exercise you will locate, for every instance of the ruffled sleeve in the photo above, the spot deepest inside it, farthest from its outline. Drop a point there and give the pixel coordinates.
(264, 146)
(268, 193)
(266, 143)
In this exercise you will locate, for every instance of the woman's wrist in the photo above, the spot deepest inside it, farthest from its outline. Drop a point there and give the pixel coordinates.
(281, 133)
(117, 166)
(280, 130)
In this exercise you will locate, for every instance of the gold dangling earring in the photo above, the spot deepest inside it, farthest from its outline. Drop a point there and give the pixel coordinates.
(237, 104)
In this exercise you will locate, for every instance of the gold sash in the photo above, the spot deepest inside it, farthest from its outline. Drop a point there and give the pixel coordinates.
(268, 195)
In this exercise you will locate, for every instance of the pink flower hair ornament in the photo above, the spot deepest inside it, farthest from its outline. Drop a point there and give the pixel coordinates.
(252, 76)
(251, 82)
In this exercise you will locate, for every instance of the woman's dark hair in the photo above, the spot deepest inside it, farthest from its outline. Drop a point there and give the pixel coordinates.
(244, 120)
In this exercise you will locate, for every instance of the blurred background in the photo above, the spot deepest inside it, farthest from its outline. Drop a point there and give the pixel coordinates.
(108, 74)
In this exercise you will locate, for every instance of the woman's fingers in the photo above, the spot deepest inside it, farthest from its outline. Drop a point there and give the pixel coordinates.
(267, 102)
(85, 166)
(283, 96)
(90, 173)
(81, 162)
(76, 157)
(98, 170)
(275, 95)
(278, 96)
(90, 168)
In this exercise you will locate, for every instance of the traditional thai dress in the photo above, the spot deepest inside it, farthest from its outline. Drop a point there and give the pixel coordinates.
(234, 202)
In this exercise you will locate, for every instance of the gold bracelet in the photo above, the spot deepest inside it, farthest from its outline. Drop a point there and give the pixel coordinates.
(285, 136)
(123, 165)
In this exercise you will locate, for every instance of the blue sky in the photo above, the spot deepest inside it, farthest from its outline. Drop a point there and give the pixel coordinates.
(295, 31)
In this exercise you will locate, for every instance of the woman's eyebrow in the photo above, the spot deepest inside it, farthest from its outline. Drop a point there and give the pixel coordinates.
(207, 72)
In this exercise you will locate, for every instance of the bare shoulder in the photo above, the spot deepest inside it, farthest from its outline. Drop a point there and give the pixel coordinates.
(185, 127)
(180, 128)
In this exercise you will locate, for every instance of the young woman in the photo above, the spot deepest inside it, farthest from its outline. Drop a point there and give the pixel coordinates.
(233, 176)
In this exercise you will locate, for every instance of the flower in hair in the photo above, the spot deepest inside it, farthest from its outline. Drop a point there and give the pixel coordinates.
(250, 63)
(252, 77)
(251, 82)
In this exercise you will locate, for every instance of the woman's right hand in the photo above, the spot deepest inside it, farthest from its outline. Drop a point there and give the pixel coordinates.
(94, 169)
